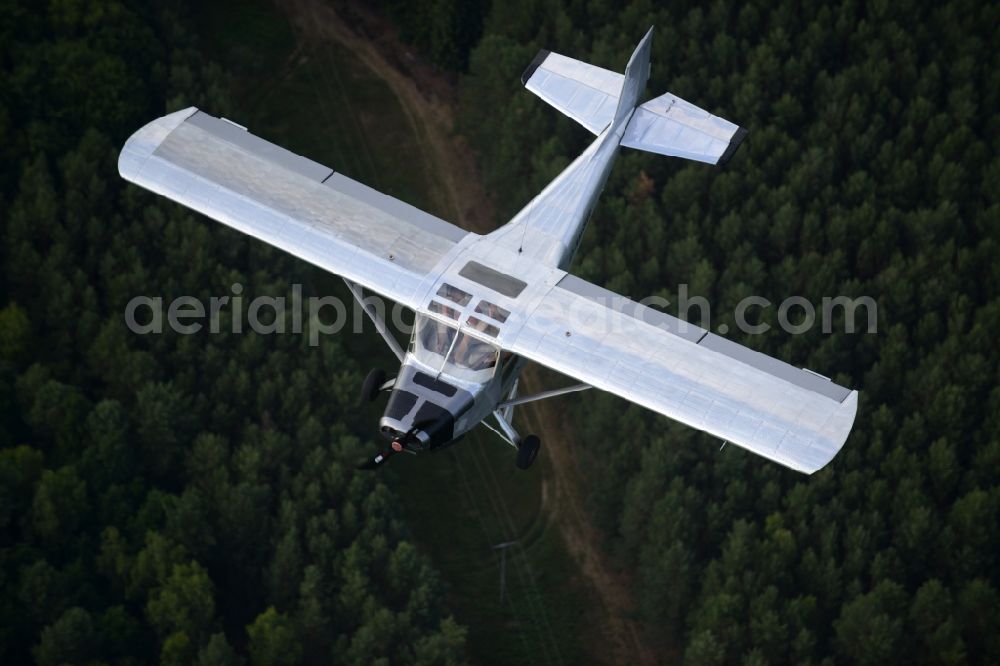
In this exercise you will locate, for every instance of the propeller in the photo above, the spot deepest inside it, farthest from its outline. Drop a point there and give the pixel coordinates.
(380, 459)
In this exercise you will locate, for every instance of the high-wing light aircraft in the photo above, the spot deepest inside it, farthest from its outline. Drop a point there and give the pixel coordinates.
(487, 304)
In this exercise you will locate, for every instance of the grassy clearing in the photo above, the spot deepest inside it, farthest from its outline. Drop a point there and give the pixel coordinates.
(320, 101)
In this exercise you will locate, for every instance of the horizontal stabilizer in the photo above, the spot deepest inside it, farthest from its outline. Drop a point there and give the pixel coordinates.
(585, 93)
(668, 125)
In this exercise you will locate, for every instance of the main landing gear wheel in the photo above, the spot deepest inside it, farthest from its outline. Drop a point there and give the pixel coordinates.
(527, 451)
(372, 385)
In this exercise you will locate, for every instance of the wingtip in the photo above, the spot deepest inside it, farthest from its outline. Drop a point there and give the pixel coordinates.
(535, 64)
(734, 144)
(843, 422)
(146, 139)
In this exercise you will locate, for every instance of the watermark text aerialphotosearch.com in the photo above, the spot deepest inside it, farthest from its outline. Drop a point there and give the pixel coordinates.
(328, 315)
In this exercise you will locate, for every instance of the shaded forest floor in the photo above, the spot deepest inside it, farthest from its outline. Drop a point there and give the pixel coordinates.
(301, 85)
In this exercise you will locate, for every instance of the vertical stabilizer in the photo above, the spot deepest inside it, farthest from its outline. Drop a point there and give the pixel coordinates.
(636, 76)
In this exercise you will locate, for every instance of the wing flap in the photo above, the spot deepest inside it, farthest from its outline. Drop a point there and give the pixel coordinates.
(769, 407)
(219, 169)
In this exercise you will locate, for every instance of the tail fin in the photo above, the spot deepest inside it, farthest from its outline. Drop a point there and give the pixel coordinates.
(596, 98)
(636, 76)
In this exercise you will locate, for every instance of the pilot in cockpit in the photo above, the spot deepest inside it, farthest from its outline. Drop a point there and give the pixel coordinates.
(474, 354)
(435, 336)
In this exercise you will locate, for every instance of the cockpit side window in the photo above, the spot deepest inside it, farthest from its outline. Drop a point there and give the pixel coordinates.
(434, 336)
(472, 353)
(445, 349)
(508, 363)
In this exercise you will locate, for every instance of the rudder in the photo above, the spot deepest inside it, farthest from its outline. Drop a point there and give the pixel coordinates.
(636, 76)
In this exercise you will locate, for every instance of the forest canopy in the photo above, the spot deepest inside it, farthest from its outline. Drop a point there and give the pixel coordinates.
(871, 169)
(166, 498)
(191, 499)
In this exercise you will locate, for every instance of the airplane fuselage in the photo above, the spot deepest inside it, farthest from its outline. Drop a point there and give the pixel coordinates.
(434, 400)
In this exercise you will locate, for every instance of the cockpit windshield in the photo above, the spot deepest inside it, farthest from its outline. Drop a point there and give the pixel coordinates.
(447, 350)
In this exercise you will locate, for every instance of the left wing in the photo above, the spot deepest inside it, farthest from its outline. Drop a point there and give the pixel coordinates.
(218, 168)
(789, 415)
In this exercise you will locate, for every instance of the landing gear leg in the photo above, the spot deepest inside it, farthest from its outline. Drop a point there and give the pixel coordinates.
(527, 447)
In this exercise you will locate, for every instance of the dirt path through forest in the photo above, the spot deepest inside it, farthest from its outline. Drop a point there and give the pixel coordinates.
(565, 501)
(460, 195)
(461, 198)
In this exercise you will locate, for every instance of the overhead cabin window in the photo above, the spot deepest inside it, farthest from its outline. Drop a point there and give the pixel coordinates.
(441, 308)
(480, 325)
(454, 294)
(492, 311)
(508, 285)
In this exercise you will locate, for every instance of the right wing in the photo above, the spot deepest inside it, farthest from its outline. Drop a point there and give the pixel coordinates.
(585, 93)
(783, 413)
(219, 169)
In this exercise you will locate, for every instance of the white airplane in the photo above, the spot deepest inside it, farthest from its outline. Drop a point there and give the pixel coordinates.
(487, 304)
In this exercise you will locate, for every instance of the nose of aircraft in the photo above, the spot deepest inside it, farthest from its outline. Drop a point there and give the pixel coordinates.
(427, 425)
(422, 410)
(401, 437)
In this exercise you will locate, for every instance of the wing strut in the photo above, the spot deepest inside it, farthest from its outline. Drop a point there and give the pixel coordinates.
(508, 412)
(504, 410)
(372, 313)
(544, 394)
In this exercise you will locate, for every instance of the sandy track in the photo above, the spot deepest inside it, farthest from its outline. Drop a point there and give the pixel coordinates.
(582, 539)
(460, 196)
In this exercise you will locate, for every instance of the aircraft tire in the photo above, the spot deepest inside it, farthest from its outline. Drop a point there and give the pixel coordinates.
(372, 384)
(527, 451)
